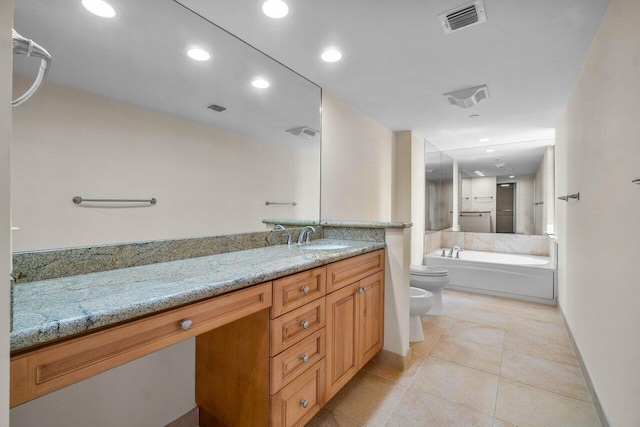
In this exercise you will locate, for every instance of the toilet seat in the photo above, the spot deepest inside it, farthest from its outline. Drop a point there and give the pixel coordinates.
(423, 270)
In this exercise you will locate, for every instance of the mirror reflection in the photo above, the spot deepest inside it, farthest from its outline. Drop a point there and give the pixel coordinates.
(506, 188)
(155, 102)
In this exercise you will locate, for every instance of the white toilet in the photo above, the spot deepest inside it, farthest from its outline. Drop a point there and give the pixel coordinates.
(432, 280)
(420, 303)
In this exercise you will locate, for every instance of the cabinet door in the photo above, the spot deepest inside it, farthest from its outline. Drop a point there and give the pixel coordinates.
(370, 317)
(342, 338)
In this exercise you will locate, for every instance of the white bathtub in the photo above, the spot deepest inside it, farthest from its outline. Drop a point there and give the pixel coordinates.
(525, 277)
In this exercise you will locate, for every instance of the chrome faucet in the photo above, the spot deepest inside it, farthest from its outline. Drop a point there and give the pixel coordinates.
(455, 247)
(287, 233)
(305, 230)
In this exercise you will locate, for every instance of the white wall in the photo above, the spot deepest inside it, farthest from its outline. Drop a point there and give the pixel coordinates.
(598, 154)
(357, 159)
(6, 58)
(545, 192)
(207, 181)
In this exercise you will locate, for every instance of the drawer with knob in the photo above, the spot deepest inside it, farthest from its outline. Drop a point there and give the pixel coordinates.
(296, 359)
(292, 327)
(300, 400)
(297, 290)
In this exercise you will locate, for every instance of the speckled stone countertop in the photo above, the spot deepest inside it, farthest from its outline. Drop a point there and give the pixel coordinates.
(51, 309)
(331, 223)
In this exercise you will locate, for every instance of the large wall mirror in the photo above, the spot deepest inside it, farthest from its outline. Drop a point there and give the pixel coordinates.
(126, 113)
(506, 188)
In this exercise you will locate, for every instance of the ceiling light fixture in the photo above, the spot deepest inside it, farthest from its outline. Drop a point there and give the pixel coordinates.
(198, 54)
(491, 150)
(331, 55)
(260, 83)
(276, 9)
(100, 8)
(511, 176)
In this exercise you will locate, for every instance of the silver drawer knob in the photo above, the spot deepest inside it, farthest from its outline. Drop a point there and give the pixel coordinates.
(304, 325)
(305, 289)
(185, 324)
(304, 358)
(304, 403)
(360, 290)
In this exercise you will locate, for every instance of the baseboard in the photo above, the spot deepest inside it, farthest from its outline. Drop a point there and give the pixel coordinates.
(190, 419)
(585, 373)
(394, 359)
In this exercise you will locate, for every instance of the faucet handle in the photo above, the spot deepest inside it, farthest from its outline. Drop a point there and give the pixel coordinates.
(444, 253)
(458, 253)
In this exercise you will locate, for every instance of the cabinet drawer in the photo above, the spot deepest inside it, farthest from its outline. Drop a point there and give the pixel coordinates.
(297, 290)
(342, 273)
(47, 369)
(297, 359)
(290, 328)
(299, 401)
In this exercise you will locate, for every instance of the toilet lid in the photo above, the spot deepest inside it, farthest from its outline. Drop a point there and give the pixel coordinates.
(423, 270)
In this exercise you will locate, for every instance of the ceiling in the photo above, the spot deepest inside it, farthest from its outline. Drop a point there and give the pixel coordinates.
(398, 61)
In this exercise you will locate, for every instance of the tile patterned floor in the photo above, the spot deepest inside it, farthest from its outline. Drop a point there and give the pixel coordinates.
(488, 361)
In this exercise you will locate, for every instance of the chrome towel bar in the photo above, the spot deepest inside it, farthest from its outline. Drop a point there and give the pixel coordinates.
(570, 196)
(77, 200)
(280, 203)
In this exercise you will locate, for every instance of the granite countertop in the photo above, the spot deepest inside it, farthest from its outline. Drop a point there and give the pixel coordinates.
(48, 310)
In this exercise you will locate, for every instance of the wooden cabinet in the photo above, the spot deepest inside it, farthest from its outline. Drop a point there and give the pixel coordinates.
(257, 363)
(355, 326)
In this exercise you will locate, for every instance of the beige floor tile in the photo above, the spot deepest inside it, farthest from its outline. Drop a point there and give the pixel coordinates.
(391, 373)
(424, 409)
(468, 353)
(485, 317)
(432, 320)
(475, 332)
(499, 423)
(367, 399)
(545, 374)
(535, 345)
(420, 350)
(326, 418)
(459, 384)
(554, 331)
(524, 405)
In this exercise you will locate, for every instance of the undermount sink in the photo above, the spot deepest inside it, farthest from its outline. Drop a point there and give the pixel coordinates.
(324, 246)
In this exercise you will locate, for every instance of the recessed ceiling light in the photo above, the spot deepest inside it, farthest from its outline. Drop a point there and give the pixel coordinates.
(485, 139)
(100, 8)
(331, 55)
(505, 185)
(260, 83)
(198, 54)
(477, 172)
(491, 150)
(511, 176)
(276, 9)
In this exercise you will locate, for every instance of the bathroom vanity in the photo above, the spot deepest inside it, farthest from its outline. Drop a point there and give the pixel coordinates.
(279, 330)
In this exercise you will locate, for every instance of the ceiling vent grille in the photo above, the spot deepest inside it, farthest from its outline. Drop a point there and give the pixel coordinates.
(464, 16)
(217, 108)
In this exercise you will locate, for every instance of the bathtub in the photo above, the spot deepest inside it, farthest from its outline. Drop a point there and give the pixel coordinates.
(526, 277)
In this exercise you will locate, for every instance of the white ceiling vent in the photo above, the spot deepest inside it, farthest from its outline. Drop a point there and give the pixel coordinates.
(466, 98)
(303, 131)
(463, 16)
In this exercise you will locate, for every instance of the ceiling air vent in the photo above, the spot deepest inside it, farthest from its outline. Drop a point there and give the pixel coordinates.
(217, 108)
(463, 16)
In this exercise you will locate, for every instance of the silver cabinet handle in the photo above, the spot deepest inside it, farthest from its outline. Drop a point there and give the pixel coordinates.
(304, 358)
(305, 289)
(361, 290)
(304, 403)
(185, 324)
(304, 324)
